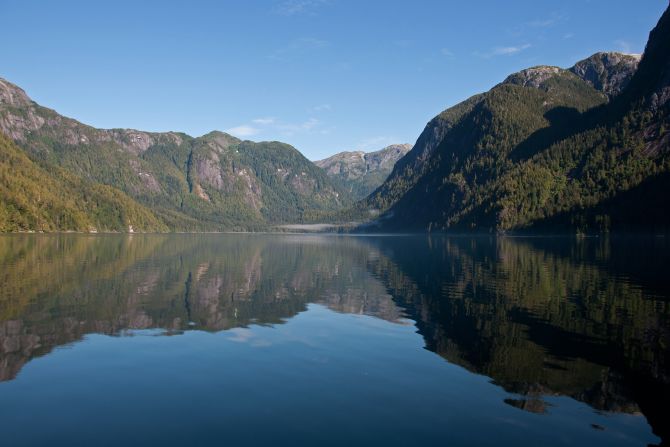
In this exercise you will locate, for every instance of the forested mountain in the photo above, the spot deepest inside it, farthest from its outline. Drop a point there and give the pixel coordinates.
(579, 149)
(547, 148)
(359, 172)
(34, 198)
(213, 182)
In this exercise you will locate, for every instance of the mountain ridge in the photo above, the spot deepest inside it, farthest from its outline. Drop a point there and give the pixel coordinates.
(544, 142)
(362, 172)
(208, 183)
(501, 168)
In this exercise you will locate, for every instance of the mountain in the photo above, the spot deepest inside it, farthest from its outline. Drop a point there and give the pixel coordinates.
(361, 173)
(607, 72)
(548, 148)
(213, 182)
(34, 198)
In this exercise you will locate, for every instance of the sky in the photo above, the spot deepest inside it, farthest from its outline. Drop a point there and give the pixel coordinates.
(323, 75)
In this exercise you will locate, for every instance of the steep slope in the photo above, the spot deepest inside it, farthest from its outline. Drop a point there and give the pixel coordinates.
(477, 138)
(33, 198)
(360, 172)
(543, 143)
(213, 182)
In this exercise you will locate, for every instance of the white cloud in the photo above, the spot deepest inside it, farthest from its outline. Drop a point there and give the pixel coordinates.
(242, 131)
(296, 7)
(272, 126)
(263, 121)
(446, 52)
(568, 36)
(322, 108)
(504, 51)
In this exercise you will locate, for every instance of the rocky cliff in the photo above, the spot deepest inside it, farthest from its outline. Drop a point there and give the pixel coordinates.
(361, 172)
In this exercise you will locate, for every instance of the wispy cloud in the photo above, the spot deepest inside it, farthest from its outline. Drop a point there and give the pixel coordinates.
(263, 121)
(322, 108)
(243, 131)
(272, 127)
(624, 46)
(290, 129)
(568, 35)
(446, 52)
(298, 47)
(297, 7)
(504, 51)
(547, 21)
(541, 23)
(375, 143)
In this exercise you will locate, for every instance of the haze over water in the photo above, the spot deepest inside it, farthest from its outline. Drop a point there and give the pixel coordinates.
(332, 340)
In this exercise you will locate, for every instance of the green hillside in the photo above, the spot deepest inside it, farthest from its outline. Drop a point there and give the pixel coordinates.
(214, 182)
(32, 198)
(545, 149)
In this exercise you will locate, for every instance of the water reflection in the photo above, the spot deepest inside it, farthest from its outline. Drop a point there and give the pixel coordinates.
(588, 319)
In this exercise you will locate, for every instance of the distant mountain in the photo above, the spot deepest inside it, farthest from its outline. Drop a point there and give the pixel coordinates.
(360, 172)
(213, 182)
(547, 148)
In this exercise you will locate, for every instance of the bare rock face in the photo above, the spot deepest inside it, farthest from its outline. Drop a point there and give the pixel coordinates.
(133, 141)
(251, 189)
(148, 179)
(608, 72)
(343, 163)
(208, 171)
(12, 95)
(363, 172)
(354, 165)
(386, 158)
(21, 117)
(533, 77)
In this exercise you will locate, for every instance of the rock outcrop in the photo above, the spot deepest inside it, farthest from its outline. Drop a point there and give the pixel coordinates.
(361, 172)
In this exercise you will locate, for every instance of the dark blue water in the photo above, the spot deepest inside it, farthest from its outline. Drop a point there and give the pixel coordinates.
(323, 340)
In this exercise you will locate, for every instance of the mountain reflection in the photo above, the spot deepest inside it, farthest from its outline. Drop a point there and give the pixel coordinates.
(587, 319)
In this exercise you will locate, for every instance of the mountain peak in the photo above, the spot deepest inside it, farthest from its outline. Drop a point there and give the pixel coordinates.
(652, 80)
(609, 72)
(362, 172)
(221, 139)
(12, 95)
(533, 77)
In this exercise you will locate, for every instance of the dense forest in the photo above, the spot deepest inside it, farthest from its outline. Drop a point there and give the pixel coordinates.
(50, 199)
(215, 182)
(547, 149)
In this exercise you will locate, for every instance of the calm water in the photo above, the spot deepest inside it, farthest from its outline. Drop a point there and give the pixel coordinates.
(244, 340)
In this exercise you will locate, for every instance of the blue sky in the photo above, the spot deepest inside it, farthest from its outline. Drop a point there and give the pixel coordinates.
(322, 75)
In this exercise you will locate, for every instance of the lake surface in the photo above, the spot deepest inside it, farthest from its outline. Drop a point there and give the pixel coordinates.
(244, 340)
